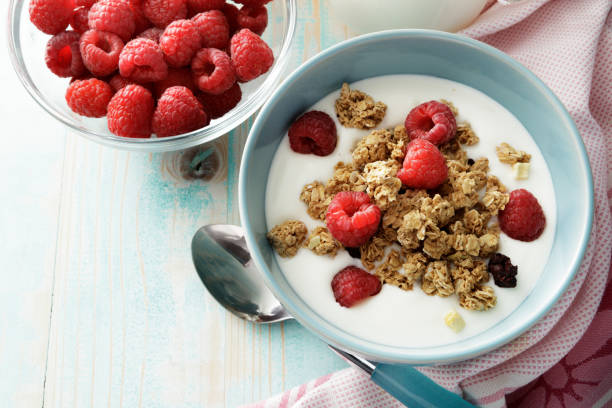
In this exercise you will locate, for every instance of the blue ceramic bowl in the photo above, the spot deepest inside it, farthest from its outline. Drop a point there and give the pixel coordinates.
(459, 59)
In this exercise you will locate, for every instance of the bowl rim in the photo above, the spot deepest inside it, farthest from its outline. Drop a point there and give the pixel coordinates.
(183, 141)
(393, 354)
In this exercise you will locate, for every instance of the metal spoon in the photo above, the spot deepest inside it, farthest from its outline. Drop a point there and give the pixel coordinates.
(224, 264)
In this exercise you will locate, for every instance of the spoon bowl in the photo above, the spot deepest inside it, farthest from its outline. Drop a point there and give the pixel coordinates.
(224, 265)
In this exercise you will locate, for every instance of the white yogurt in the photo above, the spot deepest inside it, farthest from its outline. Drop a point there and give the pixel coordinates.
(396, 317)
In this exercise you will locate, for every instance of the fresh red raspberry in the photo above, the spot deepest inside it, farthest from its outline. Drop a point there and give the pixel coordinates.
(352, 285)
(50, 16)
(253, 18)
(141, 22)
(89, 97)
(424, 166)
(130, 112)
(113, 16)
(212, 71)
(179, 42)
(117, 82)
(216, 106)
(86, 75)
(213, 28)
(253, 3)
(152, 34)
(313, 132)
(176, 77)
(231, 14)
(163, 12)
(178, 111)
(351, 218)
(84, 3)
(432, 121)
(523, 217)
(100, 51)
(142, 60)
(79, 21)
(250, 54)
(62, 55)
(198, 6)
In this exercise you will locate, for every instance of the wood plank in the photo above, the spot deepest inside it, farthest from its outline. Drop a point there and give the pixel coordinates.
(31, 166)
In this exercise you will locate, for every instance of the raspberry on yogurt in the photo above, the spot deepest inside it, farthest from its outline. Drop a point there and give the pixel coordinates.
(433, 121)
(352, 285)
(351, 218)
(313, 132)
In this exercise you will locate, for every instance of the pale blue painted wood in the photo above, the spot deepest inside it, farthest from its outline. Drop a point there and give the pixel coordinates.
(131, 325)
(30, 174)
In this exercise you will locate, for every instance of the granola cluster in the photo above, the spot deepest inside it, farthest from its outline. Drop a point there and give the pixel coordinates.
(321, 242)
(439, 238)
(358, 110)
(287, 237)
(509, 155)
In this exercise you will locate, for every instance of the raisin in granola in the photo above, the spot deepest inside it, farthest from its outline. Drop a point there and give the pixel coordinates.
(504, 273)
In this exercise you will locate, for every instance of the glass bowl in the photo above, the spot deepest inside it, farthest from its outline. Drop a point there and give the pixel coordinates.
(27, 51)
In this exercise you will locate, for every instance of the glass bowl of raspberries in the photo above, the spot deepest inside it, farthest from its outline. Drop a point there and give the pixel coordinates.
(151, 75)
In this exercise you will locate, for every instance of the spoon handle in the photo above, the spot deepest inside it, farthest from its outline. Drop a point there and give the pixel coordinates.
(414, 389)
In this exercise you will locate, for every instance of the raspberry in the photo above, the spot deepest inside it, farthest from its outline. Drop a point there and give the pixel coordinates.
(522, 218)
(163, 12)
(141, 22)
(113, 16)
(432, 121)
(62, 55)
(313, 132)
(504, 273)
(84, 3)
(176, 77)
(216, 106)
(100, 51)
(179, 42)
(352, 285)
(130, 112)
(351, 218)
(152, 34)
(178, 111)
(253, 3)
(117, 82)
(424, 166)
(253, 18)
(79, 20)
(251, 56)
(198, 6)
(89, 97)
(50, 16)
(86, 75)
(142, 61)
(213, 28)
(212, 71)
(231, 14)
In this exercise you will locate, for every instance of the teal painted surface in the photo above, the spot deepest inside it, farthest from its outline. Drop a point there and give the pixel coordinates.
(100, 305)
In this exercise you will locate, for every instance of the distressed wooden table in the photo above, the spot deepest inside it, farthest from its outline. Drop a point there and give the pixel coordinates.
(100, 305)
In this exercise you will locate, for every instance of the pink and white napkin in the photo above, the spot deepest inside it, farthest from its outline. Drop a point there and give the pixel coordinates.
(565, 359)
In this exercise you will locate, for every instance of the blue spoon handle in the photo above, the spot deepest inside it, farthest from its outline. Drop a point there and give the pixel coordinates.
(414, 389)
